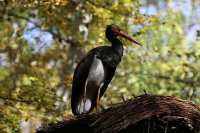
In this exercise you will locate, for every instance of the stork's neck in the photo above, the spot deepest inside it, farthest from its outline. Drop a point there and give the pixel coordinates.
(117, 46)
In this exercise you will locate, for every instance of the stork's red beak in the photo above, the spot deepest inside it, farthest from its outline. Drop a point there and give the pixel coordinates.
(122, 34)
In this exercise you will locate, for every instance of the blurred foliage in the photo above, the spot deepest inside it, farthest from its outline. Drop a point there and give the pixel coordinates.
(36, 75)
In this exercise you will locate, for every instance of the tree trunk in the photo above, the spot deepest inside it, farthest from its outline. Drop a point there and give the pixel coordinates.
(144, 114)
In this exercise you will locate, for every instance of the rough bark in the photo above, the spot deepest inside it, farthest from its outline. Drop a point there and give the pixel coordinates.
(144, 114)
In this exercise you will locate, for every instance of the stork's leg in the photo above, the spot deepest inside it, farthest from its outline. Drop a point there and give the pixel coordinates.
(84, 95)
(98, 98)
(97, 101)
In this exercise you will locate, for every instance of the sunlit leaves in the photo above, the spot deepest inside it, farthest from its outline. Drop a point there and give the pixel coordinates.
(3, 73)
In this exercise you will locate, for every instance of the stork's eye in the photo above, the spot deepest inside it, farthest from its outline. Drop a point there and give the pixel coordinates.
(115, 31)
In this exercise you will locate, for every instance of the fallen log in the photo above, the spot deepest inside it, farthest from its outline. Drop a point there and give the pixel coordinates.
(144, 114)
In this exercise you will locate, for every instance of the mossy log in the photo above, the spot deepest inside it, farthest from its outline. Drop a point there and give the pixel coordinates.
(143, 114)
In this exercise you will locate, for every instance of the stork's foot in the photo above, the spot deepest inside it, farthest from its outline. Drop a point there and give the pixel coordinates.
(98, 99)
(97, 106)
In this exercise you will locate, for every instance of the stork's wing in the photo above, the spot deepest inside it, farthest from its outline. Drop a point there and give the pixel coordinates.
(79, 78)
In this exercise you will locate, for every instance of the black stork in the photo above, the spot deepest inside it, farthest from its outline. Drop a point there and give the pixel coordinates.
(94, 72)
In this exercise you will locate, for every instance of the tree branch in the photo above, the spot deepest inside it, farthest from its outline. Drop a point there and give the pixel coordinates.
(145, 113)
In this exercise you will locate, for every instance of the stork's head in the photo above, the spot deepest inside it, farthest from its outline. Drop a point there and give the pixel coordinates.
(112, 31)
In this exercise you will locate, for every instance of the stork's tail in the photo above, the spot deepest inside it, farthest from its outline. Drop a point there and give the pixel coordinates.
(83, 107)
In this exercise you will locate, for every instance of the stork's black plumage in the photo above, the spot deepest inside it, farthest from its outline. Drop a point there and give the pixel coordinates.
(95, 71)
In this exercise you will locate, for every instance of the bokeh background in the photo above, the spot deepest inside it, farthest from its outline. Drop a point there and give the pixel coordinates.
(41, 42)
